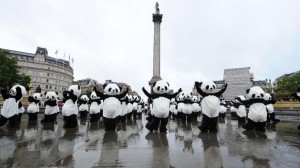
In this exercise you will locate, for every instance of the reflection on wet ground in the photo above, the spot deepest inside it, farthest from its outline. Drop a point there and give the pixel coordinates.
(36, 145)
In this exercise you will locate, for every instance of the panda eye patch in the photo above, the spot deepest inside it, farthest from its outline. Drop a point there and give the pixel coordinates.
(207, 87)
(214, 87)
(117, 90)
(262, 95)
(47, 97)
(52, 97)
(253, 96)
(109, 89)
(166, 88)
(158, 88)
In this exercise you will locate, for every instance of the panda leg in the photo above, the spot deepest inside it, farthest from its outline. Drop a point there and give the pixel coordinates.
(123, 118)
(149, 118)
(183, 117)
(189, 117)
(3, 120)
(45, 119)
(260, 126)
(110, 124)
(249, 125)
(92, 119)
(205, 123)
(19, 117)
(213, 127)
(272, 117)
(32, 116)
(13, 120)
(163, 124)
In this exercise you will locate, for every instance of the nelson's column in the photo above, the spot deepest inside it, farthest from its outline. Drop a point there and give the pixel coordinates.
(156, 18)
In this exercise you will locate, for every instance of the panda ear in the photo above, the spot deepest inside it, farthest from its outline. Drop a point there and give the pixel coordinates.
(56, 93)
(154, 83)
(41, 94)
(247, 91)
(120, 87)
(168, 84)
(192, 93)
(45, 93)
(104, 86)
(95, 89)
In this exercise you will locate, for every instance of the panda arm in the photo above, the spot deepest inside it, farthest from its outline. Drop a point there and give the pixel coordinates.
(198, 88)
(175, 94)
(273, 100)
(218, 94)
(4, 94)
(123, 94)
(244, 102)
(147, 93)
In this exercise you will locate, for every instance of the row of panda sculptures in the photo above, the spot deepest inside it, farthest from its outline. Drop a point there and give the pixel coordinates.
(115, 105)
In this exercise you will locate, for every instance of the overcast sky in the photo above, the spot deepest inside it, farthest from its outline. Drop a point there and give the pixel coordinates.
(113, 39)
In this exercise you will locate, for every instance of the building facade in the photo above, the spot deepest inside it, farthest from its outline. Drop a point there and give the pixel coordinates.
(46, 72)
(238, 80)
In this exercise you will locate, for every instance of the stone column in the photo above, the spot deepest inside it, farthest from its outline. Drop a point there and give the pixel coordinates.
(156, 18)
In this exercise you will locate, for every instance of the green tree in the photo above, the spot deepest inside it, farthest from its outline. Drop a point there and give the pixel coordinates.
(288, 84)
(10, 72)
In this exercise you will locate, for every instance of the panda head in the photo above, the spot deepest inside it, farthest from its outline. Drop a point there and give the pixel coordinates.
(268, 96)
(112, 89)
(37, 96)
(195, 99)
(161, 87)
(84, 98)
(94, 96)
(255, 92)
(13, 90)
(130, 98)
(172, 100)
(180, 96)
(187, 95)
(75, 89)
(208, 87)
(51, 96)
(241, 97)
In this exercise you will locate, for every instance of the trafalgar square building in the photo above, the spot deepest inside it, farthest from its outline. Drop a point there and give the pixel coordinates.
(47, 73)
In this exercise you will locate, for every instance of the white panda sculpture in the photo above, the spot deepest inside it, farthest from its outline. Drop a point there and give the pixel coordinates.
(70, 108)
(51, 107)
(136, 100)
(95, 109)
(173, 108)
(196, 107)
(140, 107)
(270, 107)
(240, 108)
(123, 110)
(10, 109)
(222, 111)
(180, 104)
(34, 106)
(187, 107)
(257, 115)
(210, 104)
(130, 102)
(161, 105)
(83, 108)
(111, 104)
(20, 105)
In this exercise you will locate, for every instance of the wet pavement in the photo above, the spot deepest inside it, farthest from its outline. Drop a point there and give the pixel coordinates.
(37, 145)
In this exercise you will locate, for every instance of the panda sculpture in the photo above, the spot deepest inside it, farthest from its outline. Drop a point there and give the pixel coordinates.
(111, 104)
(196, 109)
(130, 102)
(187, 108)
(136, 100)
(10, 109)
(222, 111)
(70, 108)
(123, 110)
(95, 109)
(240, 108)
(51, 107)
(173, 108)
(180, 104)
(83, 108)
(210, 105)
(161, 105)
(270, 108)
(257, 115)
(34, 106)
(20, 105)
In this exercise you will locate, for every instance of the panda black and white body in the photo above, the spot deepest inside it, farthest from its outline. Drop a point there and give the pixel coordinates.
(129, 105)
(223, 109)
(83, 108)
(270, 108)
(136, 100)
(161, 105)
(140, 108)
(10, 109)
(173, 108)
(70, 108)
(180, 104)
(240, 108)
(95, 108)
(257, 115)
(51, 107)
(196, 107)
(111, 104)
(34, 106)
(123, 110)
(187, 107)
(210, 105)
(20, 105)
